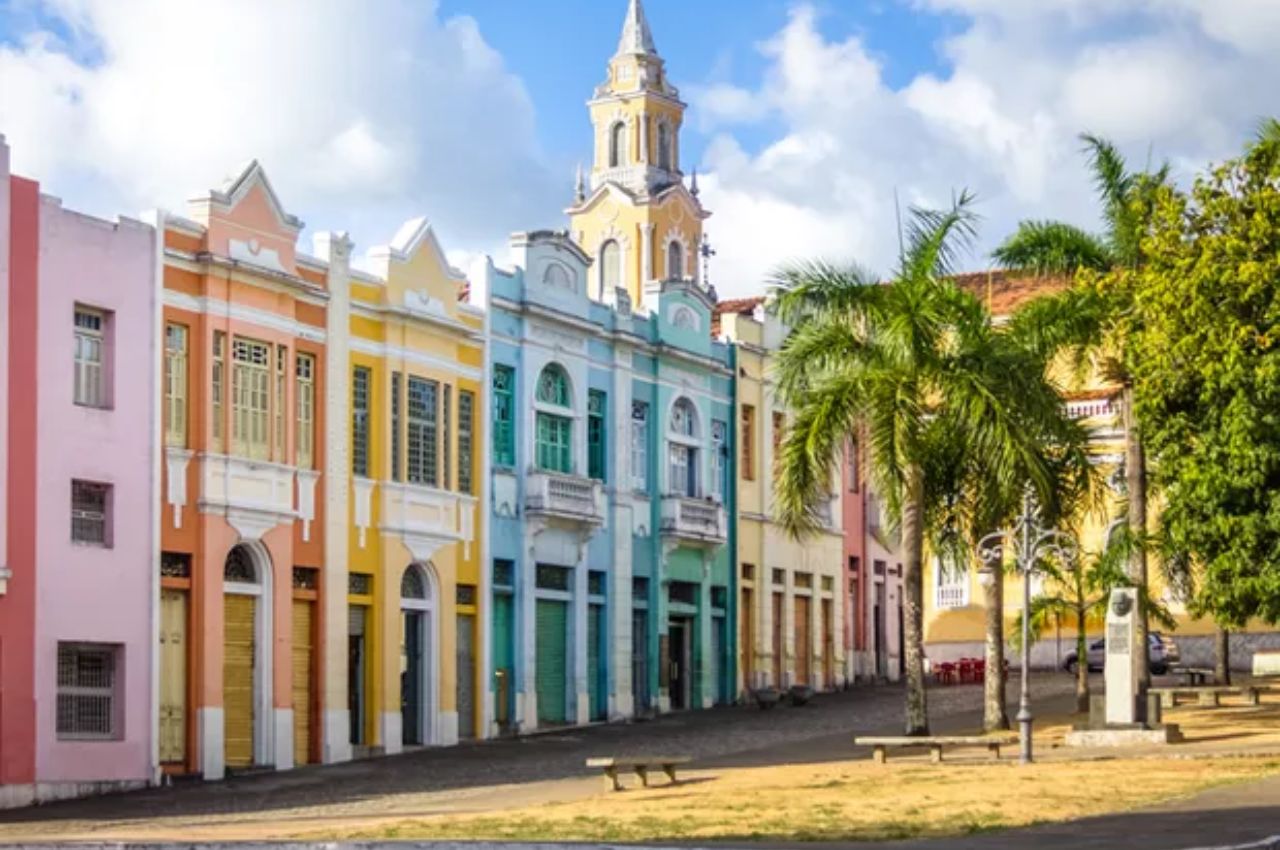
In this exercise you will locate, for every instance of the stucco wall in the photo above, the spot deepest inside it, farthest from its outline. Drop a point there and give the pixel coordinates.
(94, 594)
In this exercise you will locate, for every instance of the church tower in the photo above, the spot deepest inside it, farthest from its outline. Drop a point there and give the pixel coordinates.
(634, 216)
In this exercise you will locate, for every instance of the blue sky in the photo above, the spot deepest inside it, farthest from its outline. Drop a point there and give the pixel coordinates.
(807, 117)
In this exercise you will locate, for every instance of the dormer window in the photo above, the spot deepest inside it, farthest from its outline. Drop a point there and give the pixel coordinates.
(618, 145)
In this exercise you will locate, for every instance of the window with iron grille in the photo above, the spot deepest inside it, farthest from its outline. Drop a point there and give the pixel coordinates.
(360, 584)
(306, 578)
(748, 443)
(640, 589)
(87, 696)
(466, 594)
(90, 513)
(175, 385)
(595, 435)
(779, 577)
(719, 597)
(277, 404)
(804, 581)
(684, 592)
(466, 441)
(360, 378)
(595, 583)
(504, 416)
(446, 441)
(250, 398)
(305, 439)
(175, 565)
(423, 433)
(553, 578)
(397, 449)
(90, 357)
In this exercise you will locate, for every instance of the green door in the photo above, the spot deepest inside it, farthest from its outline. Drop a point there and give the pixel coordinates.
(504, 683)
(553, 661)
(595, 670)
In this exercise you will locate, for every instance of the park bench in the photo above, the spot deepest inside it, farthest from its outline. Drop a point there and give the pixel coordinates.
(640, 766)
(1209, 696)
(1195, 676)
(881, 745)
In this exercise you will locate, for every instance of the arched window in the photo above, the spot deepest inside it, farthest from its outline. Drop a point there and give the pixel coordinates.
(618, 145)
(675, 260)
(684, 419)
(240, 567)
(412, 585)
(554, 437)
(664, 147)
(610, 268)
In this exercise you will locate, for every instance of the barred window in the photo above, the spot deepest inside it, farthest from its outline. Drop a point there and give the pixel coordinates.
(446, 418)
(175, 385)
(466, 441)
(504, 416)
(596, 440)
(90, 508)
(277, 403)
(640, 445)
(360, 422)
(305, 440)
(423, 433)
(90, 357)
(397, 420)
(87, 697)
(219, 386)
(250, 398)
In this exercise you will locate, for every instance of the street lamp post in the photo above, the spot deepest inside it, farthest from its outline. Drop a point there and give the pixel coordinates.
(1028, 541)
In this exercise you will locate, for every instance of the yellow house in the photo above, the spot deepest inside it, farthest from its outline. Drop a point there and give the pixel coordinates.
(953, 613)
(791, 616)
(414, 638)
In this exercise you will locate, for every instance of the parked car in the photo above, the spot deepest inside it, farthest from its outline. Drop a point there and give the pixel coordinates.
(1162, 654)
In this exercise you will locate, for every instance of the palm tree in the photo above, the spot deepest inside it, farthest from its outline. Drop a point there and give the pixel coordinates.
(1057, 248)
(1079, 592)
(917, 367)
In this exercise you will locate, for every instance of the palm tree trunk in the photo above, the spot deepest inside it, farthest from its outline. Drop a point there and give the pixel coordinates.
(995, 715)
(917, 709)
(1135, 468)
(1222, 657)
(1082, 658)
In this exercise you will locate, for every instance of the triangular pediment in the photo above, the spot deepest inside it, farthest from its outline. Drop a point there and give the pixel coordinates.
(417, 273)
(245, 221)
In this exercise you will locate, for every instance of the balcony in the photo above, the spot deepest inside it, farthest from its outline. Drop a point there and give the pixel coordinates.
(697, 521)
(426, 519)
(255, 496)
(952, 595)
(566, 497)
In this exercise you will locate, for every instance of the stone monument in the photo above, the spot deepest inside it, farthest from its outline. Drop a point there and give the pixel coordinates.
(1123, 655)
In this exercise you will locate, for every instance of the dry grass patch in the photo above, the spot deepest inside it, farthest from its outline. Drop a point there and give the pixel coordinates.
(844, 801)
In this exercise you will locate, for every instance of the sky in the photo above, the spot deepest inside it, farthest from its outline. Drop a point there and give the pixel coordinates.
(809, 121)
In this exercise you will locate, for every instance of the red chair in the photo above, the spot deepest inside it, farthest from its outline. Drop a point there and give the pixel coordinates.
(946, 674)
(966, 670)
(979, 669)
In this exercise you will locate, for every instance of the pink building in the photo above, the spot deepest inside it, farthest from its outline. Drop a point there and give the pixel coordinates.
(77, 517)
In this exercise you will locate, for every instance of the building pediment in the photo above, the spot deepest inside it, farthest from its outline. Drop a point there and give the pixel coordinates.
(245, 221)
(416, 273)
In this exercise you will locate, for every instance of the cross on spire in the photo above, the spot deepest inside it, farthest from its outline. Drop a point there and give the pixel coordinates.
(636, 36)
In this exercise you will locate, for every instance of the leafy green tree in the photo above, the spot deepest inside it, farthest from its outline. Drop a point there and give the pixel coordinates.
(1207, 368)
(916, 367)
(1056, 248)
(1078, 592)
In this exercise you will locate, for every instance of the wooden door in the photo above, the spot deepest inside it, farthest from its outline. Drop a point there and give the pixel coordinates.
(237, 678)
(172, 733)
(828, 645)
(777, 640)
(746, 626)
(303, 679)
(804, 642)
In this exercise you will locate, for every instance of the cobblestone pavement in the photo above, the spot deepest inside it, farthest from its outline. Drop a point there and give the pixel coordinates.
(490, 774)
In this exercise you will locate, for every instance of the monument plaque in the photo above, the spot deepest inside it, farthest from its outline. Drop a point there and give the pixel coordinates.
(1122, 657)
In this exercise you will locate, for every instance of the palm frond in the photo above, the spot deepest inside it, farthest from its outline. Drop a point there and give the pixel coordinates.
(1268, 131)
(804, 289)
(936, 239)
(1070, 321)
(1052, 248)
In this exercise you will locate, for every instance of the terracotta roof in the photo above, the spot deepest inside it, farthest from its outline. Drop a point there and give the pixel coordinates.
(741, 306)
(1005, 291)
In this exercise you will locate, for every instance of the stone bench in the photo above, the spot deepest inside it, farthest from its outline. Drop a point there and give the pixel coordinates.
(1195, 676)
(1209, 696)
(880, 745)
(640, 766)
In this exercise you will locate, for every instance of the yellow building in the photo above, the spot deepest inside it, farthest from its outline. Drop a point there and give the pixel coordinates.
(953, 614)
(791, 616)
(415, 367)
(636, 218)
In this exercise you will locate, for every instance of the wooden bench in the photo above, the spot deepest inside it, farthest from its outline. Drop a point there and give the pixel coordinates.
(640, 766)
(1210, 696)
(880, 746)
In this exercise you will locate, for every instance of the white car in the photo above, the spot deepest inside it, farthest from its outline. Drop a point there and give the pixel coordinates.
(1162, 653)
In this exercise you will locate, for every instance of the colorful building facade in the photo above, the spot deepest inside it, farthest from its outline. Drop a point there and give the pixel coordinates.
(791, 595)
(76, 518)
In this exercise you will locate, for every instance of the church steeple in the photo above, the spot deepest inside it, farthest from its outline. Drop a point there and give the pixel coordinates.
(636, 35)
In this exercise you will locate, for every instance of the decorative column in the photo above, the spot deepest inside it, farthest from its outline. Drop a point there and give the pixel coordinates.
(335, 248)
(621, 605)
(644, 138)
(646, 254)
(706, 684)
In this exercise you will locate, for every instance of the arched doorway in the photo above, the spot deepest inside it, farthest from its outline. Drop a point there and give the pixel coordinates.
(418, 667)
(246, 657)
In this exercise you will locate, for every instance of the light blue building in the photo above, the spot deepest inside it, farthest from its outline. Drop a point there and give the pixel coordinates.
(611, 465)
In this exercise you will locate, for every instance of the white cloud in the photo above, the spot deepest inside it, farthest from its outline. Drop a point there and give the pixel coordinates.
(1184, 80)
(363, 114)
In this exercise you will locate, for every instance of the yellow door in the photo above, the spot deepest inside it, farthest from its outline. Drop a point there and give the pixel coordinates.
(237, 679)
(173, 676)
(302, 675)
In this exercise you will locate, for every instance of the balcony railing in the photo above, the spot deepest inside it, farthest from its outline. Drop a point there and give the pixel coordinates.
(565, 496)
(696, 520)
(952, 595)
